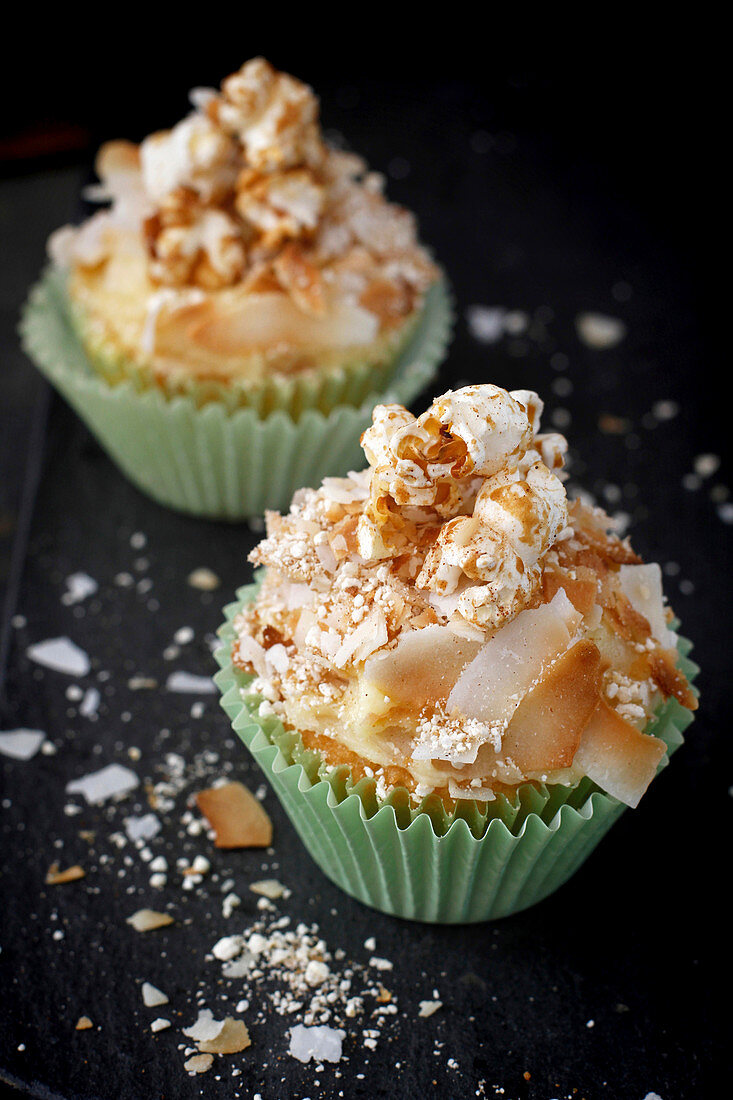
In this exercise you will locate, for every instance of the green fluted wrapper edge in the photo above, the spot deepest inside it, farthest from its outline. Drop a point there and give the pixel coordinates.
(479, 862)
(210, 460)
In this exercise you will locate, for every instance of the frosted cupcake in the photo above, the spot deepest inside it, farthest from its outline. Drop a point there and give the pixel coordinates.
(445, 638)
(244, 262)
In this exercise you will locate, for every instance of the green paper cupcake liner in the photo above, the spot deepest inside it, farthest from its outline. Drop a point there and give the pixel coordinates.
(213, 461)
(350, 383)
(478, 862)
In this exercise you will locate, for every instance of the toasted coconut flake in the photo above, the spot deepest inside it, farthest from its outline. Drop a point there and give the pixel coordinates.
(546, 728)
(55, 877)
(581, 593)
(198, 1063)
(204, 579)
(146, 920)
(269, 888)
(616, 756)
(236, 816)
(669, 679)
(232, 1037)
(83, 1023)
(227, 1036)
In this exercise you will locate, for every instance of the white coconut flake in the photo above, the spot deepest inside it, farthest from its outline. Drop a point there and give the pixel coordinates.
(61, 655)
(269, 888)
(597, 330)
(486, 323)
(78, 587)
(21, 744)
(205, 1028)
(90, 703)
(204, 579)
(429, 1008)
(324, 1044)
(380, 964)
(153, 996)
(160, 1024)
(227, 947)
(189, 682)
(110, 782)
(144, 827)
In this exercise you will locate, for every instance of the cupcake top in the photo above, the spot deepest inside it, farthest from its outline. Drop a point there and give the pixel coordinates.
(241, 231)
(447, 621)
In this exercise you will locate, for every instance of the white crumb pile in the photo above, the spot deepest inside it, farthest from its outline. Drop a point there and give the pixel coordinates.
(306, 982)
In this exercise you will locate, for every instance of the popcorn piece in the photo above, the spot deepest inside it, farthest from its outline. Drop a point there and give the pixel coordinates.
(280, 206)
(191, 244)
(273, 116)
(196, 155)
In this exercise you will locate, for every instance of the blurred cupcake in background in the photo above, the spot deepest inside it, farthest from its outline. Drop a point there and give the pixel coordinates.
(248, 291)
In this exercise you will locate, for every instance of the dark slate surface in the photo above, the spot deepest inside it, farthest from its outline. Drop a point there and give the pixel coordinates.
(605, 989)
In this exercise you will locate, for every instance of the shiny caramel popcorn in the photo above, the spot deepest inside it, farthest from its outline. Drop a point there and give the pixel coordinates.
(272, 115)
(195, 154)
(280, 206)
(473, 448)
(190, 244)
(244, 192)
(443, 621)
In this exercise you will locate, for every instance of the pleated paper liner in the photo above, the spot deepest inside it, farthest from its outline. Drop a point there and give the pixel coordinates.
(212, 461)
(480, 861)
(349, 382)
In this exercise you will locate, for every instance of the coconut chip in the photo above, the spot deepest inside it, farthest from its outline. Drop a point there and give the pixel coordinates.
(83, 1023)
(112, 781)
(146, 920)
(324, 1044)
(204, 579)
(429, 1008)
(153, 996)
(61, 655)
(211, 1036)
(21, 744)
(190, 683)
(236, 816)
(55, 877)
(198, 1064)
(269, 888)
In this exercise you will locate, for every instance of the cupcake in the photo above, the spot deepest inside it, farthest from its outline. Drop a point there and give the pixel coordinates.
(246, 266)
(455, 678)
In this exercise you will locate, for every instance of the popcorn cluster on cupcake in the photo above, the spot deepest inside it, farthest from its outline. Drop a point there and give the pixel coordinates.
(446, 621)
(244, 199)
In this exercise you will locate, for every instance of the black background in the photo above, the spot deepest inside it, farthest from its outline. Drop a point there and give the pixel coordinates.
(600, 168)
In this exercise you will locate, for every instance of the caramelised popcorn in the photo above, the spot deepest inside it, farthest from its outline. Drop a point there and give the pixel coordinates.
(445, 621)
(272, 115)
(190, 243)
(195, 155)
(472, 449)
(244, 193)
